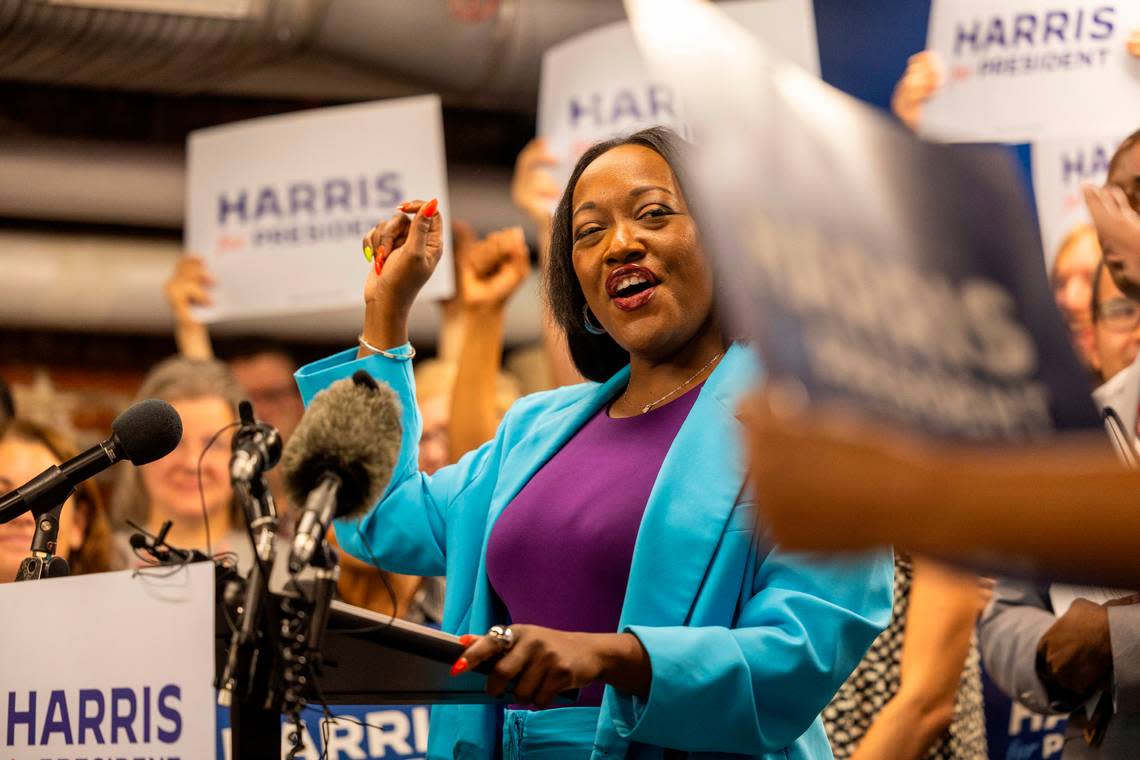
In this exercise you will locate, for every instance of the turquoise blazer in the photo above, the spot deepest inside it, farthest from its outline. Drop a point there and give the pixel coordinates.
(747, 642)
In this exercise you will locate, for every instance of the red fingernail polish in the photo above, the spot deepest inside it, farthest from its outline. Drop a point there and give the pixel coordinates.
(377, 265)
(403, 206)
(459, 667)
(467, 639)
(430, 207)
(381, 252)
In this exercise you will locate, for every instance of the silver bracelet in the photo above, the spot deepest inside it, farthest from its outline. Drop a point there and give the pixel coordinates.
(387, 354)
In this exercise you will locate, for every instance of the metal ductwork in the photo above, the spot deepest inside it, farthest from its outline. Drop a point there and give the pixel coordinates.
(167, 45)
(114, 283)
(473, 52)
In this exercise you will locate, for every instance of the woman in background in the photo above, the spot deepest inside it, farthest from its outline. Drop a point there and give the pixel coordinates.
(205, 394)
(26, 450)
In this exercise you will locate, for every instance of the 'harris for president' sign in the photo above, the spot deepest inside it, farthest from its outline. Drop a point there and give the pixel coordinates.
(1023, 70)
(277, 206)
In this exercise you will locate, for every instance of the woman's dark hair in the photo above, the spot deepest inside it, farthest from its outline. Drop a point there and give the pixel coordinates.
(597, 357)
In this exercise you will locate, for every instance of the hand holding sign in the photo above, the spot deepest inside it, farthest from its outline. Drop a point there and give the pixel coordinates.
(533, 187)
(923, 76)
(188, 287)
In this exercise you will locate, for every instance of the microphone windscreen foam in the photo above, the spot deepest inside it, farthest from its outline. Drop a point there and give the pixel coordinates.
(148, 430)
(350, 429)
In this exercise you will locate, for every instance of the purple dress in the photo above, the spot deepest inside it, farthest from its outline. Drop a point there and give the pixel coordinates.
(560, 553)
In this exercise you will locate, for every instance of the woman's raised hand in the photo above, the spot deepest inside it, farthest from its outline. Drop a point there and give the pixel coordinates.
(922, 78)
(403, 252)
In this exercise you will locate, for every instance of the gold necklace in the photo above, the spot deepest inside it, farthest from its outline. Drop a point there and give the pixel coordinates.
(645, 409)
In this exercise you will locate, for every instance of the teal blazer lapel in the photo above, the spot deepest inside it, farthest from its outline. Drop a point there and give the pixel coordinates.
(695, 492)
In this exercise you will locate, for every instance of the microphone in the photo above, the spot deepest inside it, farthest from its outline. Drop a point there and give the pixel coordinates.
(146, 431)
(340, 458)
(256, 446)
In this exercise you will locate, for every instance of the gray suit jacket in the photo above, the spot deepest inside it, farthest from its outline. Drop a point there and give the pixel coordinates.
(1010, 628)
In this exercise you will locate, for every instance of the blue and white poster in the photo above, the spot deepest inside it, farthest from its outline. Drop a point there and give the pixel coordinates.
(110, 665)
(1060, 167)
(277, 206)
(900, 277)
(355, 732)
(1023, 70)
(596, 85)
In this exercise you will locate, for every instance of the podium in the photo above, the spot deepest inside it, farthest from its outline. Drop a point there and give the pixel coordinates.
(366, 658)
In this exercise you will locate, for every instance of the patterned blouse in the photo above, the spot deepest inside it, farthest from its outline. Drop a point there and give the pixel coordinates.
(876, 680)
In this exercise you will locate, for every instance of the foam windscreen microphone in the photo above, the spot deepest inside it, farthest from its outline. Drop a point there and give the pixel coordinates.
(146, 431)
(340, 458)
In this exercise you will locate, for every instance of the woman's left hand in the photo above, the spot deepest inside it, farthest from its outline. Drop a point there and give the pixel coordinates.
(543, 662)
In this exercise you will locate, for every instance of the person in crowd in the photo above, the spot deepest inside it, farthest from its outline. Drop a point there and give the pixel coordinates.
(1071, 277)
(263, 367)
(1080, 660)
(27, 449)
(1116, 322)
(1116, 325)
(191, 485)
(918, 691)
(690, 639)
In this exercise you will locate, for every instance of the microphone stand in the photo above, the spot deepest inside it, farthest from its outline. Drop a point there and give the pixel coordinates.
(249, 681)
(44, 562)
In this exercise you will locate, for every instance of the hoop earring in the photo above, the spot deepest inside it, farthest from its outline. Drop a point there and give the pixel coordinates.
(591, 328)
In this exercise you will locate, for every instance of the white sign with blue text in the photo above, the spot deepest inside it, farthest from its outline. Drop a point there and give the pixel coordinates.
(1023, 70)
(114, 665)
(596, 86)
(277, 206)
(1060, 167)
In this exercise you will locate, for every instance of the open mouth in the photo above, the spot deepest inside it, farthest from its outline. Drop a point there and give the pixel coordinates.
(631, 287)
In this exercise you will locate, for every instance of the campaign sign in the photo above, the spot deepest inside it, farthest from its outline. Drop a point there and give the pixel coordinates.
(901, 277)
(1060, 167)
(1023, 70)
(277, 206)
(1014, 732)
(596, 85)
(355, 732)
(109, 666)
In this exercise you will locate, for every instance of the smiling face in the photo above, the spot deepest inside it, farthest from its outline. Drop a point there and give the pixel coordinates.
(21, 460)
(172, 482)
(637, 255)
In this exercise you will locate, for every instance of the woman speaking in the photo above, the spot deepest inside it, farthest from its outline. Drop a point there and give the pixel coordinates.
(603, 539)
